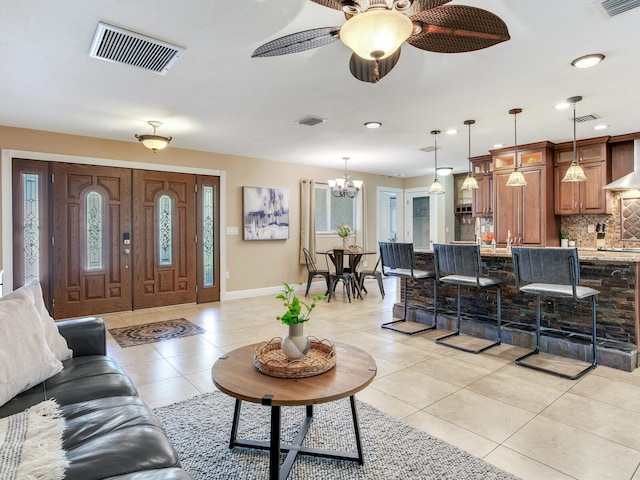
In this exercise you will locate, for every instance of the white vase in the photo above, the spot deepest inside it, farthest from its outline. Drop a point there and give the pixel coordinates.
(345, 242)
(295, 345)
(564, 242)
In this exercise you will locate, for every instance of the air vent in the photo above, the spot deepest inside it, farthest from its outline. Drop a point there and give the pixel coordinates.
(615, 7)
(118, 45)
(310, 121)
(586, 118)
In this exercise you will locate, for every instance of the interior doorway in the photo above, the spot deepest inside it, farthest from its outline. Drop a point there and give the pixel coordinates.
(417, 215)
(390, 215)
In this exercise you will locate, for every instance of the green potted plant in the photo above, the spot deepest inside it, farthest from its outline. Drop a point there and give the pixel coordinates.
(295, 345)
(564, 238)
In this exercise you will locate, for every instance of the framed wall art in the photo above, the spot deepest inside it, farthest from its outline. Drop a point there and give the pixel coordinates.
(266, 213)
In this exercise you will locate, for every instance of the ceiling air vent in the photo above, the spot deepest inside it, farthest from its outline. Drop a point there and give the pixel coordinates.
(118, 45)
(310, 121)
(586, 118)
(615, 7)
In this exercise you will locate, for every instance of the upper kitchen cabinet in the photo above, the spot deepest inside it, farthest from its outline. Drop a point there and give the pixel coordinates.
(462, 198)
(525, 213)
(482, 168)
(588, 197)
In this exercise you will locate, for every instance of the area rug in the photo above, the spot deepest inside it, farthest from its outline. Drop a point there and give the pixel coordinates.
(154, 332)
(199, 429)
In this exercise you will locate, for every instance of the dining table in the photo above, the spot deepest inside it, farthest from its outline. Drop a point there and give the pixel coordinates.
(355, 256)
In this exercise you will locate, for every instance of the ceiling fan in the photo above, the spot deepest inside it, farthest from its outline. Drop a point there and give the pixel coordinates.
(375, 29)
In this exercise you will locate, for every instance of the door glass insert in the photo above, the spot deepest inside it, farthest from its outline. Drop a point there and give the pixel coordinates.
(207, 233)
(94, 231)
(165, 230)
(31, 226)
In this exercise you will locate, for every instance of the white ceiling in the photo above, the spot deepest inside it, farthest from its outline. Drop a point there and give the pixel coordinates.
(217, 98)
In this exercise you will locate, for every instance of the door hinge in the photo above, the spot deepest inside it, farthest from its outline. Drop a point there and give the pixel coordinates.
(53, 241)
(196, 239)
(52, 178)
(195, 188)
(196, 288)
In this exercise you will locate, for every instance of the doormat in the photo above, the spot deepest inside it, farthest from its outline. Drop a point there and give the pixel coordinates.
(154, 332)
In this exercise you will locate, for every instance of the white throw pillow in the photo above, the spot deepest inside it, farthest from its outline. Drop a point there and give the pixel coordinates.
(57, 342)
(25, 356)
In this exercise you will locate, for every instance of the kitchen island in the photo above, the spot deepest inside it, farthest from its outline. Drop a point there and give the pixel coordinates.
(613, 274)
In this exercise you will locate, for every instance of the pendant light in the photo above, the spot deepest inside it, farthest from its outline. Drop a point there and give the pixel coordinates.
(470, 183)
(575, 172)
(436, 186)
(516, 179)
(154, 141)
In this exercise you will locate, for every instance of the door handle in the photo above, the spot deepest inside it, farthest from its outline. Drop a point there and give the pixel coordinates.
(126, 251)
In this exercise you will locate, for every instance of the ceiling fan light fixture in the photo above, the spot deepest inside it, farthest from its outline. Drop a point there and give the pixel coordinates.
(376, 34)
(154, 141)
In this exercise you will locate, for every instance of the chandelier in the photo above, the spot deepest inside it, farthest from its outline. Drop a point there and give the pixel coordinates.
(516, 179)
(343, 187)
(470, 183)
(575, 173)
(436, 186)
(154, 141)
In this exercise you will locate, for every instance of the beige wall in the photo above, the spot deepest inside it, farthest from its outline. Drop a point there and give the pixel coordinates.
(252, 265)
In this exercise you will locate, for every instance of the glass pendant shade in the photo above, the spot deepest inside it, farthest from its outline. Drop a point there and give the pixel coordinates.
(154, 141)
(376, 34)
(436, 188)
(575, 173)
(470, 183)
(516, 179)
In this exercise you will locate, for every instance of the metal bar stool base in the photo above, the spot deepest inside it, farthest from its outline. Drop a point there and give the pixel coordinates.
(441, 341)
(407, 326)
(580, 374)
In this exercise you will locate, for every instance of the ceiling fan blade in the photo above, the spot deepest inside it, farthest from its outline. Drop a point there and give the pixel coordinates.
(298, 42)
(458, 28)
(365, 70)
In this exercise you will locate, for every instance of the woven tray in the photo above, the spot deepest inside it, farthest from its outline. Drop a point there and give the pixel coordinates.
(270, 359)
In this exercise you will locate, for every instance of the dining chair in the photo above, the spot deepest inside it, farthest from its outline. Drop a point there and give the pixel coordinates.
(461, 265)
(397, 260)
(375, 273)
(553, 272)
(313, 271)
(337, 273)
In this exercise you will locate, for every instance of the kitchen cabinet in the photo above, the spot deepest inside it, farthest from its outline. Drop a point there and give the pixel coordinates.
(588, 197)
(527, 213)
(462, 198)
(482, 168)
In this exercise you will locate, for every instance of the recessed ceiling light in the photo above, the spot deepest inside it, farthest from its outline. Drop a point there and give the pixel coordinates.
(587, 61)
(452, 131)
(373, 124)
(498, 145)
(562, 106)
(601, 127)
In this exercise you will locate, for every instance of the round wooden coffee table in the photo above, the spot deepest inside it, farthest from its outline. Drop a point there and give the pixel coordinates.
(235, 375)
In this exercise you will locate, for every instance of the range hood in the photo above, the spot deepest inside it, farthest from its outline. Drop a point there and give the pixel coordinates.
(630, 180)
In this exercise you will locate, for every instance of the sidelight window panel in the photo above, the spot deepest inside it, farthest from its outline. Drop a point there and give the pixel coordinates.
(208, 246)
(31, 226)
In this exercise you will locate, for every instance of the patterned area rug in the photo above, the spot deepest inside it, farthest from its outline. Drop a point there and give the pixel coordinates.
(199, 429)
(154, 332)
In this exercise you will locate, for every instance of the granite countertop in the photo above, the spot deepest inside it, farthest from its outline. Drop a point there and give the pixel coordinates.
(583, 254)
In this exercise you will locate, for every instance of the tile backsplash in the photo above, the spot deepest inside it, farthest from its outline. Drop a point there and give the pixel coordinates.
(619, 231)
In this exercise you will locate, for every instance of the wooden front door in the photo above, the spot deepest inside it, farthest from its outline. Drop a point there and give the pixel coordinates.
(91, 215)
(163, 238)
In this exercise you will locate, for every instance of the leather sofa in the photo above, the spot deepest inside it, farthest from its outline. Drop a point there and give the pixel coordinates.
(110, 432)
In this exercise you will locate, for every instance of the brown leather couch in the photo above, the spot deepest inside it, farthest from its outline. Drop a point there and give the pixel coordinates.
(110, 432)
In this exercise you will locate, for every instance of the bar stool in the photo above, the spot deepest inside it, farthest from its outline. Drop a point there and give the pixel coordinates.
(460, 265)
(552, 272)
(397, 260)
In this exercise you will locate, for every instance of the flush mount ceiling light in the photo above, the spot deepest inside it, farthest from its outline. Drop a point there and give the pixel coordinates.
(470, 183)
(445, 171)
(342, 187)
(373, 124)
(575, 172)
(154, 141)
(516, 179)
(587, 61)
(436, 186)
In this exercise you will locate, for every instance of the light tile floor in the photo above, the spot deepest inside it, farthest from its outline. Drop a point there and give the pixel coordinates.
(532, 424)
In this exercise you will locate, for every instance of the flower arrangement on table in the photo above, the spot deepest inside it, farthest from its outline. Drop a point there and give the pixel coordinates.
(343, 230)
